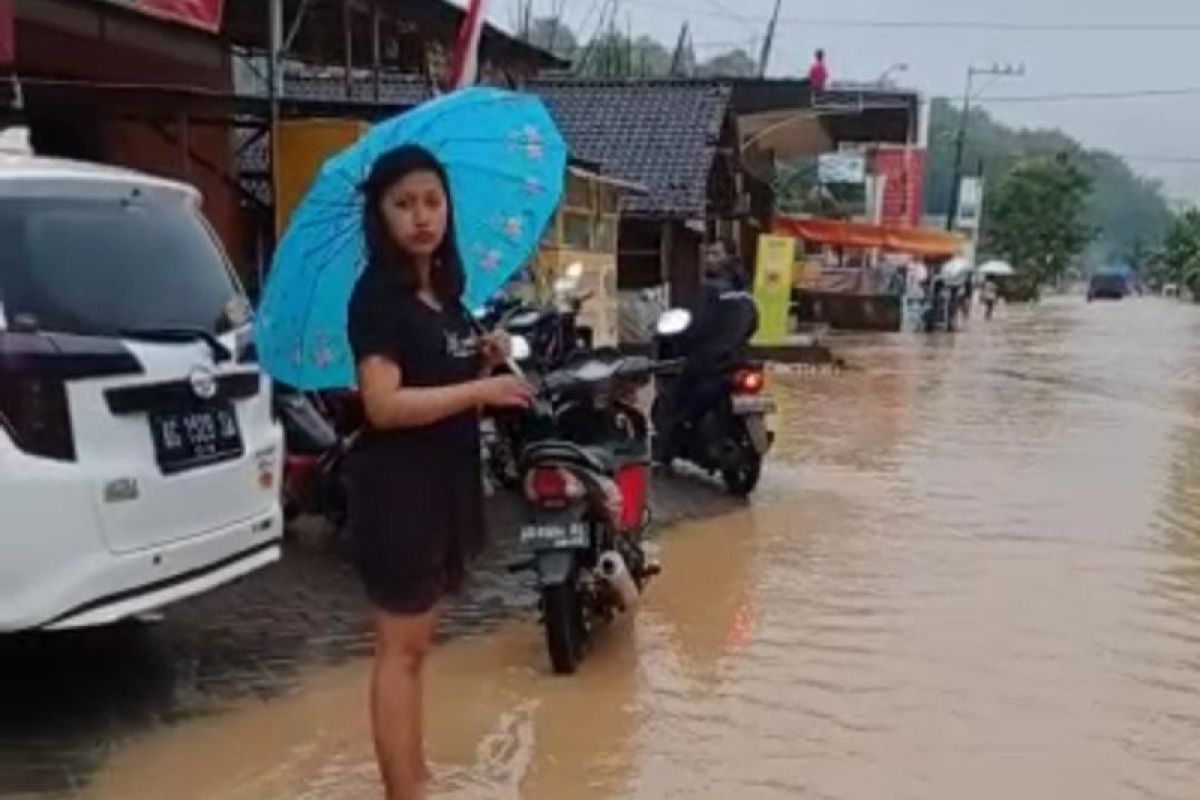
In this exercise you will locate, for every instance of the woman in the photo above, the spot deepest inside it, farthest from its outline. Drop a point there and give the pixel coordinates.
(416, 502)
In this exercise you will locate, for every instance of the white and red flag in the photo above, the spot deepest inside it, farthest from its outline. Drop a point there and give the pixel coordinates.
(464, 61)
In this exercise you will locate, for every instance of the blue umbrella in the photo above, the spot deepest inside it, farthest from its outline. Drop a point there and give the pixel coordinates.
(505, 161)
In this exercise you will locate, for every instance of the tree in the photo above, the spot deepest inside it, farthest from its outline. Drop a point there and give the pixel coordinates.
(1181, 254)
(733, 64)
(1037, 220)
(553, 35)
(1129, 210)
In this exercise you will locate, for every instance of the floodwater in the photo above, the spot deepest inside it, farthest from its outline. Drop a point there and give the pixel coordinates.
(973, 571)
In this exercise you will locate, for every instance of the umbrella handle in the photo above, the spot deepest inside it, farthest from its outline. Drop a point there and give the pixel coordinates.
(509, 361)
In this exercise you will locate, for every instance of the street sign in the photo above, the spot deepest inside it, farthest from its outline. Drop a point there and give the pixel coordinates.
(970, 203)
(842, 167)
(773, 287)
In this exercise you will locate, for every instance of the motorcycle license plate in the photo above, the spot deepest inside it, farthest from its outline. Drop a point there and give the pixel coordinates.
(760, 437)
(748, 405)
(555, 536)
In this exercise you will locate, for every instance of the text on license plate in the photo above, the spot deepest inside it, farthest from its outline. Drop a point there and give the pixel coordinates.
(192, 438)
(753, 405)
(573, 535)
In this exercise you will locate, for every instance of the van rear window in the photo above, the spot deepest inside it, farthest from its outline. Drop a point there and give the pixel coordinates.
(97, 267)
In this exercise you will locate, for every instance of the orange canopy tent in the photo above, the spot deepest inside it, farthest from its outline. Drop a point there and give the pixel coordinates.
(921, 242)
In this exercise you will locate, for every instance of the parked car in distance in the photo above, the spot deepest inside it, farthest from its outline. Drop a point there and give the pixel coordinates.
(139, 457)
(1108, 286)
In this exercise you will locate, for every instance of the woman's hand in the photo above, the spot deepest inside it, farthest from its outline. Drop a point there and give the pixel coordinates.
(505, 391)
(495, 350)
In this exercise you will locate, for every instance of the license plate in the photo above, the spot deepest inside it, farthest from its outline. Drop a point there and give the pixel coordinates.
(752, 404)
(185, 440)
(760, 437)
(555, 536)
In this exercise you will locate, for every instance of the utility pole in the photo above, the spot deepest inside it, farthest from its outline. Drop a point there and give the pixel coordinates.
(765, 58)
(995, 71)
(677, 58)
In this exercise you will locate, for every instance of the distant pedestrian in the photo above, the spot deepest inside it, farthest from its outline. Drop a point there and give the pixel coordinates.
(989, 295)
(818, 73)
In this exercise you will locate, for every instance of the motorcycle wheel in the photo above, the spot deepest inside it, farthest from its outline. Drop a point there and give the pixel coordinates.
(562, 609)
(742, 478)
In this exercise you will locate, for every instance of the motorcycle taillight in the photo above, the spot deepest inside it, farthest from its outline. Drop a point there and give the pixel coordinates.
(34, 411)
(552, 485)
(749, 381)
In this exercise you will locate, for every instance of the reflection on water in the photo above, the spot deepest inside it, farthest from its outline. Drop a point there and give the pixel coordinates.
(973, 571)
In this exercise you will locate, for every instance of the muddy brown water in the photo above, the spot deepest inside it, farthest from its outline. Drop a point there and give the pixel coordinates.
(973, 571)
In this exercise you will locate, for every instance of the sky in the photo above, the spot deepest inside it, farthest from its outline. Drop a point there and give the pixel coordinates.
(1066, 47)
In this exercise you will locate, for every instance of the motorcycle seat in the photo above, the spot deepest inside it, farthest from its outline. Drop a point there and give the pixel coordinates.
(562, 452)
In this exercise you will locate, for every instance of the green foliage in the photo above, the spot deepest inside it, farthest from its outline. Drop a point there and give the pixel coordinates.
(614, 54)
(734, 64)
(1181, 256)
(1129, 212)
(1038, 219)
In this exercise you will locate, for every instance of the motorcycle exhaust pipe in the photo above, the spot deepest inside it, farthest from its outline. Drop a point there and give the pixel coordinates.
(615, 573)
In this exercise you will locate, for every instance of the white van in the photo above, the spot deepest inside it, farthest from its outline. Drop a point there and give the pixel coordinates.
(140, 460)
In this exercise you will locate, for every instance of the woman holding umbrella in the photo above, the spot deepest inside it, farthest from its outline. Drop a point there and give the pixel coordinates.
(424, 217)
(416, 501)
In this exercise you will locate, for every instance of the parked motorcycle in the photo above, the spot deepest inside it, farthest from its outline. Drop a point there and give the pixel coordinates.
(313, 476)
(585, 478)
(713, 413)
(552, 335)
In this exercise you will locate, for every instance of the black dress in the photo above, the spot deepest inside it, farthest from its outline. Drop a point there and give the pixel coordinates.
(416, 497)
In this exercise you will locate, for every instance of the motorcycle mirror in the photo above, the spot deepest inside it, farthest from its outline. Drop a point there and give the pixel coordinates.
(674, 321)
(520, 349)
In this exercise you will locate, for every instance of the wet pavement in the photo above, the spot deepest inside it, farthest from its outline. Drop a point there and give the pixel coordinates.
(973, 570)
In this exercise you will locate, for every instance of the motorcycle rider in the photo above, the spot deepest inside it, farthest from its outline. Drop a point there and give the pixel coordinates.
(724, 318)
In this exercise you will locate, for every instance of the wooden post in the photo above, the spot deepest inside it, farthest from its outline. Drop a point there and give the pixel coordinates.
(376, 49)
(348, 44)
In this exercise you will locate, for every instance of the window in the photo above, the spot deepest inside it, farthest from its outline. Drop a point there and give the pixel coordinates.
(577, 230)
(97, 267)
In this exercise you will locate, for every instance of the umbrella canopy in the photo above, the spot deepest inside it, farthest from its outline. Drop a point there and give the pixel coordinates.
(505, 163)
(997, 269)
(957, 270)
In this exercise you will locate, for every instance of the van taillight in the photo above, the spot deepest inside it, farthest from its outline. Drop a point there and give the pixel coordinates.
(34, 412)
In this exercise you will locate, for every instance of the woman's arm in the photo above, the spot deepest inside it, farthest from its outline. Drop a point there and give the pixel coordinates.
(389, 404)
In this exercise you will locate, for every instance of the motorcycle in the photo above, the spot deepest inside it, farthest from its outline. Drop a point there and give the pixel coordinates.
(313, 475)
(713, 413)
(552, 335)
(585, 477)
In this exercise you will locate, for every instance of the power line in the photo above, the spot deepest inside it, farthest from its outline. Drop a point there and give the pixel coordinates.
(1061, 26)
(1073, 97)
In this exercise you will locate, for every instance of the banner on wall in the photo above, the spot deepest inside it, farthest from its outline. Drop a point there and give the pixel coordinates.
(8, 36)
(773, 288)
(900, 169)
(203, 14)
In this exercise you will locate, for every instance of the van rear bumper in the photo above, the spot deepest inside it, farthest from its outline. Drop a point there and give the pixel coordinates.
(106, 588)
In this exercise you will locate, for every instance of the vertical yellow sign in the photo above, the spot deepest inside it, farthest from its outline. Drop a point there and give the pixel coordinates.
(773, 288)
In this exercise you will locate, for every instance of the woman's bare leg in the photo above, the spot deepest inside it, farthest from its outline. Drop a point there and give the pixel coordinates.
(401, 645)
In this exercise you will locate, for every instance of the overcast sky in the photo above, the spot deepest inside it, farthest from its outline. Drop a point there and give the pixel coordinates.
(1117, 58)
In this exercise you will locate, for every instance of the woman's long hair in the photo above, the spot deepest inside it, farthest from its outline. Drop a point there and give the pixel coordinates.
(384, 252)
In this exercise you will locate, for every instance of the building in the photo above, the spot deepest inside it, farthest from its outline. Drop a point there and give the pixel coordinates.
(151, 84)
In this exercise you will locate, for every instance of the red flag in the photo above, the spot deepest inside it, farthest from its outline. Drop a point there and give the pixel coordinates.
(464, 61)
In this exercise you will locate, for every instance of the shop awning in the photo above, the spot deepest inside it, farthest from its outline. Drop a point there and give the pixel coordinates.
(923, 242)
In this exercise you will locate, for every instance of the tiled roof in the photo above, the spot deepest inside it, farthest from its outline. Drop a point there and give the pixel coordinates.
(662, 134)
